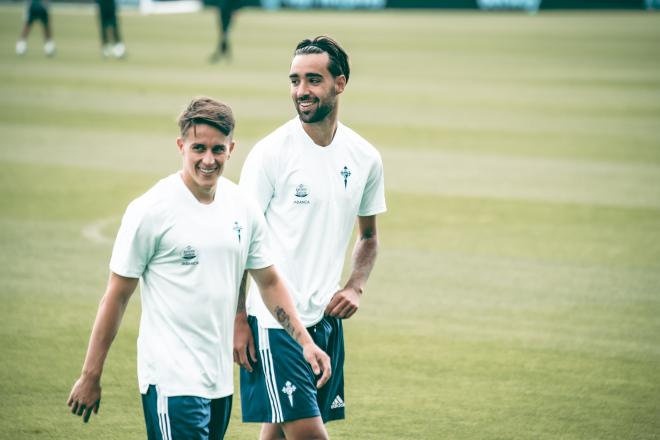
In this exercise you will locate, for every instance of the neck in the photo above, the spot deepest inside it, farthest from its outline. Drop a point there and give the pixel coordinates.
(322, 132)
(203, 195)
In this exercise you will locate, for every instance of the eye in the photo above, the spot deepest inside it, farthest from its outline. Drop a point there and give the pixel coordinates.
(315, 80)
(198, 148)
(294, 81)
(218, 149)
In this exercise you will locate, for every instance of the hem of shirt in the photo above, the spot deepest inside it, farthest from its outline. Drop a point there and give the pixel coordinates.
(188, 392)
(259, 265)
(372, 212)
(124, 273)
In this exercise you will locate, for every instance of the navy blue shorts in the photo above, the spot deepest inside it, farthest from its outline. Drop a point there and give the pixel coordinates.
(185, 417)
(282, 385)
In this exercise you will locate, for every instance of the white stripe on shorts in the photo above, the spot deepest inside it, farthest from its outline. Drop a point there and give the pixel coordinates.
(163, 416)
(269, 375)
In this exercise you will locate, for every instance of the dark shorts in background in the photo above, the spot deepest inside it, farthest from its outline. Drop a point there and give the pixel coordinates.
(37, 12)
(185, 417)
(282, 386)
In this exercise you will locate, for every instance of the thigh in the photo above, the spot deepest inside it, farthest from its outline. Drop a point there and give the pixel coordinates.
(302, 429)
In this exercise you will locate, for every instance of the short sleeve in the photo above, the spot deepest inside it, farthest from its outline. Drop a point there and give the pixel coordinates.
(255, 178)
(373, 197)
(258, 254)
(135, 244)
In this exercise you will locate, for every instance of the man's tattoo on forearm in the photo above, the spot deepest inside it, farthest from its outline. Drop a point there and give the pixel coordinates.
(285, 321)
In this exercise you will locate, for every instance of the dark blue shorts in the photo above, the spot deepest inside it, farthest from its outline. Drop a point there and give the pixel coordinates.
(185, 417)
(282, 385)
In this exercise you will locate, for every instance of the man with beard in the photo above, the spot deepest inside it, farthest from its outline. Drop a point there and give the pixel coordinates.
(188, 241)
(311, 177)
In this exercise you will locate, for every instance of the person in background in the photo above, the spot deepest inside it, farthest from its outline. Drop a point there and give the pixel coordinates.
(226, 11)
(111, 42)
(37, 10)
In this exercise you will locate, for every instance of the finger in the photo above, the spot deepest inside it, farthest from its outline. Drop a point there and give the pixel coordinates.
(81, 409)
(315, 365)
(332, 304)
(351, 313)
(69, 400)
(245, 363)
(252, 350)
(74, 407)
(87, 414)
(97, 406)
(327, 372)
(338, 310)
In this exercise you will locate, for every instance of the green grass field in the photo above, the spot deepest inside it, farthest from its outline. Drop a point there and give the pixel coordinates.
(517, 292)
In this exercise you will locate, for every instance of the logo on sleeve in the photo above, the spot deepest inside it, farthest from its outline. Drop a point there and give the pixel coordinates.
(301, 193)
(189, 256)
(238, 228)
(345, 173)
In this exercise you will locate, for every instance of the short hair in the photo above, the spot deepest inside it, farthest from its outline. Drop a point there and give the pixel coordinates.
(205, 110)
(338, 64)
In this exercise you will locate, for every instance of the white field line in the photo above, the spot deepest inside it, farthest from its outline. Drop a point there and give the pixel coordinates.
(94, 231)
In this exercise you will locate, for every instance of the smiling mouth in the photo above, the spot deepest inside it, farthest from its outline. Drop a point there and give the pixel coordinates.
(307, 104)
(207, 171)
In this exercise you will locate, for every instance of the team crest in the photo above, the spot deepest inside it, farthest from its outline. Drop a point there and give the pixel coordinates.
(238, 228)
(189, 256)
(289, 389)
(345, 173)
(301, 193)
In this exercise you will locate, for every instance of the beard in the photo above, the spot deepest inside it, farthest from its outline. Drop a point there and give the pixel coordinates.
(322, 111)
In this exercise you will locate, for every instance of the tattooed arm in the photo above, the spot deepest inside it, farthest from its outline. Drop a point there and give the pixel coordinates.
(277, 299)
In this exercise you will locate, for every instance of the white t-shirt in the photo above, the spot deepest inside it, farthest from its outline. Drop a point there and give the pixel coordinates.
(190, 259)
(310, 196)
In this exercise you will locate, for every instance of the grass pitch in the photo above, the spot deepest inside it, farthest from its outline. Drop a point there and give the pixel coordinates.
(517, 292)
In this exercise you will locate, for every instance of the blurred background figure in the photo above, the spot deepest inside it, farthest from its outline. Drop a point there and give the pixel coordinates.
(226, 9)
(111, 44)
(36, 10)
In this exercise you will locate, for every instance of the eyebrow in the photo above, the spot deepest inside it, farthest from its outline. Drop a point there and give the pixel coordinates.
(307, 75)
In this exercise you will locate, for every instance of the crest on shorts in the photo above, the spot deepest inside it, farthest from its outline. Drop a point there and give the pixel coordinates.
(289, 389)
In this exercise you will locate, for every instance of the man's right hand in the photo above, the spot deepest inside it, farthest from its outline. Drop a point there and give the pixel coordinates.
(85, 397)
(244, 350)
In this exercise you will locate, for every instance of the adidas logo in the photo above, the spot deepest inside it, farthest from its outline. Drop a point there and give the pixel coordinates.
(337, 403)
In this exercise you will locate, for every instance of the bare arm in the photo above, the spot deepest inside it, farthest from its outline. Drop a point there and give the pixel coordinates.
(346, 301)
(85, 395)
(277, 299)
(243, 338)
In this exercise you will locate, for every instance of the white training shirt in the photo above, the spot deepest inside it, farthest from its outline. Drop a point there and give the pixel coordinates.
(190, 259)
(310, 196)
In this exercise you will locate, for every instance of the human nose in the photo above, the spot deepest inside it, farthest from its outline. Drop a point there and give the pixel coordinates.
(208, 157)
(302, 90)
